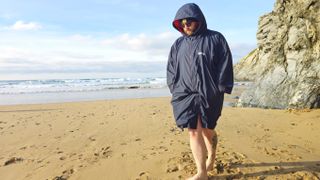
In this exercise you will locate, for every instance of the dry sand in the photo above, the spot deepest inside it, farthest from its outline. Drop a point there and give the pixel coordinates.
(137, 139)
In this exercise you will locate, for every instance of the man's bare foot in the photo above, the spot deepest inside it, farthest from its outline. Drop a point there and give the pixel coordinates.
(209, 164)
(199, 177)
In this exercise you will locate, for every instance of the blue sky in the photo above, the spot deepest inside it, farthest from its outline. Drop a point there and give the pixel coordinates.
(42, 39)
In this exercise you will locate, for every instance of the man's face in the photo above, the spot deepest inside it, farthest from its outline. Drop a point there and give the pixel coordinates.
(189, 26)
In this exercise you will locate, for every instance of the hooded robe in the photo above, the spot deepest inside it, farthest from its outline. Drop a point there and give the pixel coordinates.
(199, 72)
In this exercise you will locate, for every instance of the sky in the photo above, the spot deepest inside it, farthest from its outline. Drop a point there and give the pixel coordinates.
(43, 39)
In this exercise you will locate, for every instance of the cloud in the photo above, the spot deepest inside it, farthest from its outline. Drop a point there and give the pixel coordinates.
(160, 44)
(125, 53)
(17, 61)
(23, 26)
(79, 37)
(97, 67)
(81, 54)
(151, 44)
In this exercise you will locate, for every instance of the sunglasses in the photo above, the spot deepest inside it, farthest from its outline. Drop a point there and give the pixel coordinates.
(187, 22)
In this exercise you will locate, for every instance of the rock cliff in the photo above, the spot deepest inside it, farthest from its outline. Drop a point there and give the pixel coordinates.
(286, 64)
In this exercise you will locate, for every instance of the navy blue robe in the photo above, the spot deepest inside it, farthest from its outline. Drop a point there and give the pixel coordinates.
(199, 72)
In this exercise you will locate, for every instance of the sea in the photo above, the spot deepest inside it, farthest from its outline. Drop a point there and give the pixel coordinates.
(13, 92)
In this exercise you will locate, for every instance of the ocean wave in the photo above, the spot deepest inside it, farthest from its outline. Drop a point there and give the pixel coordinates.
(83, 85)
(78, 85)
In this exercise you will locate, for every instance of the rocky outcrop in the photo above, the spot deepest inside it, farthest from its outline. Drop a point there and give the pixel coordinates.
(286, 63)
(248, 67)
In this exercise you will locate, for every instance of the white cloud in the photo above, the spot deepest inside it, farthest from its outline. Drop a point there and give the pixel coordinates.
(79, 37)
(154, 44)
(22, 26)
(125, 53)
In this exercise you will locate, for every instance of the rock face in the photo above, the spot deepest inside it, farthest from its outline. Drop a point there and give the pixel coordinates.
(286, 64)
(248, 67)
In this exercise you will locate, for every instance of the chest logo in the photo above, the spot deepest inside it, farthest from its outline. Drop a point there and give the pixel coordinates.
(201, 54)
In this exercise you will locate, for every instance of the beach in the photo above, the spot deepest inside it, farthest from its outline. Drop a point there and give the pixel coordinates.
(137, 139)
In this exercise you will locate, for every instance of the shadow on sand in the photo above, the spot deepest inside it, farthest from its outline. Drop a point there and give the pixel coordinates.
(278, 168)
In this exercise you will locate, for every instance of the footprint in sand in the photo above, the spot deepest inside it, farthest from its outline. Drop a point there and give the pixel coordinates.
(306, 175)
(305, 149)
(59, 152)
(63, 158)
(172, 168)
(81, 166)
(143, 176)
(281, 153)
(65, 174)
(33, 146)
(264, 139)
(293, 124)
(13, 160)
(91, 138)
(175, 130)
(80, 157)
(226, 161)
(144, 157)
(220, 167)
(182, 163)
(158, 149)
(105, 152)
(70, 155)
(23, 148)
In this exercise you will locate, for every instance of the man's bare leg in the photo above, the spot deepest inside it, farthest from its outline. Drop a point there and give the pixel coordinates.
(211, 140)
(198, 149)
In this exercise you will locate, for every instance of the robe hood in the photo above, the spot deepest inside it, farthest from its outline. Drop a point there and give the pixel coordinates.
(190, 10)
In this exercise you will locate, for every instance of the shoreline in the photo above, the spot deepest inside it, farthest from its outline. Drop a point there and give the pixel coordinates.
(131, 92)
(69, 97)
(138, 139)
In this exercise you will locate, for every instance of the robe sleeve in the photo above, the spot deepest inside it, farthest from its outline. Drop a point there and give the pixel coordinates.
(225, 67)
(171, 68)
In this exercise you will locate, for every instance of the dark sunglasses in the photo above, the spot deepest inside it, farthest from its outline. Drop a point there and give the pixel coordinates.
(187, 22)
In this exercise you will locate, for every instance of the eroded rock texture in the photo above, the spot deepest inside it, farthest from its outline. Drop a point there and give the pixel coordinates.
(286, 64)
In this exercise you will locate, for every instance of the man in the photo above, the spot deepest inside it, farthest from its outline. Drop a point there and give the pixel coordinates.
(199, 72)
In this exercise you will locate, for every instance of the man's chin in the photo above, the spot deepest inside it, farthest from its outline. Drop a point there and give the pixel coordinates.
(189, 33)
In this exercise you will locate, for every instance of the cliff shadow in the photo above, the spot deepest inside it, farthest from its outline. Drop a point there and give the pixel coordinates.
(278, 168)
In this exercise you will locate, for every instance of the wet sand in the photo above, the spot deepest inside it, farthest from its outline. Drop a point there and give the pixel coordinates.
(137, 139)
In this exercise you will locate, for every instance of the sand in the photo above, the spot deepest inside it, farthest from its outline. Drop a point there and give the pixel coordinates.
(137, 139)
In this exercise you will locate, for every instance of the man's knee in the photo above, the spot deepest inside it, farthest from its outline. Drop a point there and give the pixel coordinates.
(194, 132)
(208, 132)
